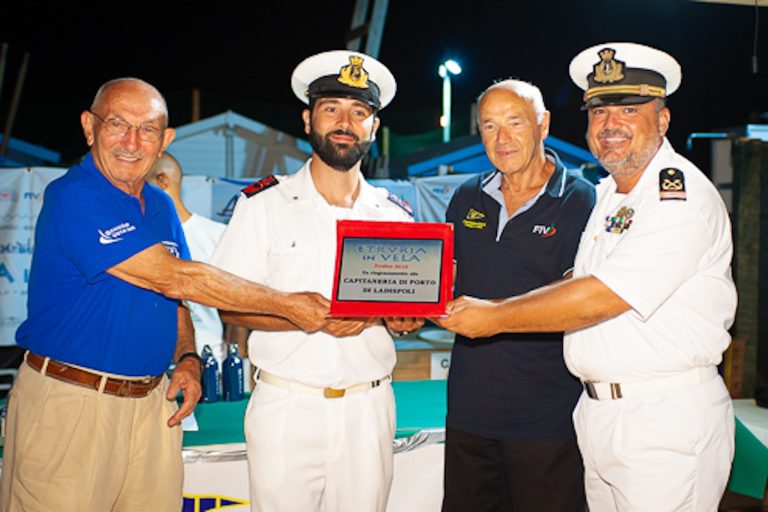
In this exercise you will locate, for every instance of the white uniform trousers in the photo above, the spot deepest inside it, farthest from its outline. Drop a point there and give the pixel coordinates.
(309, 453)
(668, 451)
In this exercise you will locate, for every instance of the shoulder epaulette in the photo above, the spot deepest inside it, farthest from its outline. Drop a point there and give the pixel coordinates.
(671, 184)
(402, 203)
(260, 186)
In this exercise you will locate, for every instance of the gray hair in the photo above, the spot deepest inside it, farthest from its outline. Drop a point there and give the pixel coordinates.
(525, 90)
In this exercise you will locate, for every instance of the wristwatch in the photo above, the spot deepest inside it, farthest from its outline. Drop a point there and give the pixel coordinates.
(188, 355)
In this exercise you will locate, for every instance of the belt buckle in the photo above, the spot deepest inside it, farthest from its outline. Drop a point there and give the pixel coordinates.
(589, 387)
(333, 393)
(124, 389)
(614, 387)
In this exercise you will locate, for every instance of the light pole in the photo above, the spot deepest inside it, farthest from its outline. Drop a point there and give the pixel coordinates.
(446, 69)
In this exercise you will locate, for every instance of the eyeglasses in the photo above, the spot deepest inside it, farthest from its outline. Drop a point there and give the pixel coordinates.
(120, 128)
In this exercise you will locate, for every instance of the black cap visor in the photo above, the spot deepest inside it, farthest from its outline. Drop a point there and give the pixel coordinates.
(330, 87)
(616, 99)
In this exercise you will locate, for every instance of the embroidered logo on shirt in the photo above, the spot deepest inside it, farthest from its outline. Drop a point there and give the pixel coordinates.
(671, 185)
(620, 221)
(544, 231)
(172, 247)
(115, 234)
(402, 203)
(474, 219)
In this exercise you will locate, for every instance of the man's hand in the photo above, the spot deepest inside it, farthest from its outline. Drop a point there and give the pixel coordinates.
(341, 327)
(403, 325)
(470, 317)
(186, 377)
(307, 310)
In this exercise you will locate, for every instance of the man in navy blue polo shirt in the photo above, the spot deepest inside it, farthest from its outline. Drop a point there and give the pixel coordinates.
(92, 421)
(510, 443)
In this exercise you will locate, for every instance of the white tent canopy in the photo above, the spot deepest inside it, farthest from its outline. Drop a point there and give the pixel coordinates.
(234, 146)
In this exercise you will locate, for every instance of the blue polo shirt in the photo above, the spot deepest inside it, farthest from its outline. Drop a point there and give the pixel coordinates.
(77, 312)
(514, 386)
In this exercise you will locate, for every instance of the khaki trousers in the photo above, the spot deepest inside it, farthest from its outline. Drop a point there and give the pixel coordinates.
(69, 448)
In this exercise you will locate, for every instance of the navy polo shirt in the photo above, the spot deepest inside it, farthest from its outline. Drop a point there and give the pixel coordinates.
(77, 312)
(514, 386)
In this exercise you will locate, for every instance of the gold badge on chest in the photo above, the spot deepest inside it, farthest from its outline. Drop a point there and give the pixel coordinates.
(474, 219)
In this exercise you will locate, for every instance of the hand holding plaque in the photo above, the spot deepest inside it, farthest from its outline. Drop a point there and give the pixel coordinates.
(392, 269)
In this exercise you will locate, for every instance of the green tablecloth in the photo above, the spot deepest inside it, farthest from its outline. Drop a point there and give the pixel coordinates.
(420, 405)
(750, 464)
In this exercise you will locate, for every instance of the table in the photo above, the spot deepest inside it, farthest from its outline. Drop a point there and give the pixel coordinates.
(749, 473)
(215, 466)
(424, 354)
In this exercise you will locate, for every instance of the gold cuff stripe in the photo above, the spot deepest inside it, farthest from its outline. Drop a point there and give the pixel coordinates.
(640, 90)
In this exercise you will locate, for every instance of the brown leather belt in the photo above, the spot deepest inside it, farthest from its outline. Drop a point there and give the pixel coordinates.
(131, 388)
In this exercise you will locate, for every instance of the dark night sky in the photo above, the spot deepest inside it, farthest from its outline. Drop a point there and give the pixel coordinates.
(242, 60)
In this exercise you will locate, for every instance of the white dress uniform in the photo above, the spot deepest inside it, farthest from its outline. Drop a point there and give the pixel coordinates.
(665, 248)
(304, 449)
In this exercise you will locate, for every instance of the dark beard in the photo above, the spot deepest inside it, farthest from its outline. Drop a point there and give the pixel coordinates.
(341, 157)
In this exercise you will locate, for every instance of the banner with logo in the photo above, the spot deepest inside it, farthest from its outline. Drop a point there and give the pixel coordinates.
(434, 193)
(21, 196)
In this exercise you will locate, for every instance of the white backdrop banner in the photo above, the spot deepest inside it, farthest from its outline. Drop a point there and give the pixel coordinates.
(21, 196)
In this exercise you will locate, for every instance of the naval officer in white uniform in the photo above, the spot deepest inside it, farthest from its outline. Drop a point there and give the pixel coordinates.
(321, 421)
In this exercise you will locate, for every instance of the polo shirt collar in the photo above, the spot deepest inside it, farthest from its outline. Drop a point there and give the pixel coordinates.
(92, 173)
(556, 183)
(555, 186)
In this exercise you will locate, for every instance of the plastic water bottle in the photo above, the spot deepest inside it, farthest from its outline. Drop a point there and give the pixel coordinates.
(210, 379)
(232, 372)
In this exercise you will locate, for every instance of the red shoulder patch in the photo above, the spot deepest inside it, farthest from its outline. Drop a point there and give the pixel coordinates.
(259, 186)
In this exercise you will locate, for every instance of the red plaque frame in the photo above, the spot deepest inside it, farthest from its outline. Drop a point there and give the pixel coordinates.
(435, 234)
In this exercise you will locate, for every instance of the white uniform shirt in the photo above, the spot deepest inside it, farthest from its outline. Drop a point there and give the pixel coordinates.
(202, 235)
(671, 265)
(285, 237)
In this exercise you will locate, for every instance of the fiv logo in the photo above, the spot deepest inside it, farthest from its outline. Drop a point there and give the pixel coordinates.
(544, 231)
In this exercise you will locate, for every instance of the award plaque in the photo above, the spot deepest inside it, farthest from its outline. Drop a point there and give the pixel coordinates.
(392, 269)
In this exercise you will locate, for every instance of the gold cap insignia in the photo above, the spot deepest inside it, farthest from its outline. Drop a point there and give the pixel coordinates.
(608, 70)
(353, 74)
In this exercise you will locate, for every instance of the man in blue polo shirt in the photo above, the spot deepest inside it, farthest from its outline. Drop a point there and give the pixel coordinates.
(92, 421)
(510, 443)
